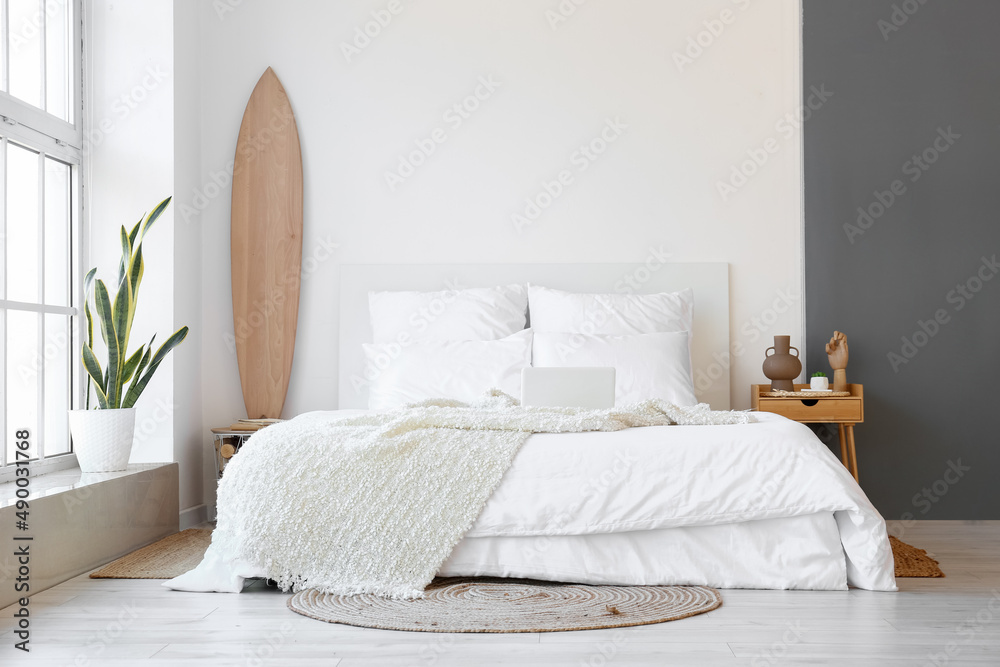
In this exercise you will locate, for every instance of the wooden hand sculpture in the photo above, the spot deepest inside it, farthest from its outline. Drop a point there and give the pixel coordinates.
(836, 350)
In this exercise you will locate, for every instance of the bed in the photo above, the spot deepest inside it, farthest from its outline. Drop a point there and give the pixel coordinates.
(758, 505)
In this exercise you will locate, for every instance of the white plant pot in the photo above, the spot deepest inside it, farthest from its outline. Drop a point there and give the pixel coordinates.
(819, 384)
(102, 439)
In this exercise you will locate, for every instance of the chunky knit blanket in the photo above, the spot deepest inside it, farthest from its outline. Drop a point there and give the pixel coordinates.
(375, 503)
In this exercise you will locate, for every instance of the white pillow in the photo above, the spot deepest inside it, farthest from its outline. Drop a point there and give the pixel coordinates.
(656, 365)
(463, 370)
(555, 311)
(487, 313)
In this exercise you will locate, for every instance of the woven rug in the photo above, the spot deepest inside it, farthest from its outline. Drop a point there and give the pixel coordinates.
(511, 605)
(170, 557)
(913, 562)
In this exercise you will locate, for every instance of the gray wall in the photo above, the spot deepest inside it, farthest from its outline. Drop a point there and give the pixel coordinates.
(932, 411)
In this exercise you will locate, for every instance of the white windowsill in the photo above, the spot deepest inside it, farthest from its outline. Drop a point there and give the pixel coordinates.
(61, 481)
(43, 467)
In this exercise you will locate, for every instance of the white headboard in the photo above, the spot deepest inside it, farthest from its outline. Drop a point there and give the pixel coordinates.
(710, 282)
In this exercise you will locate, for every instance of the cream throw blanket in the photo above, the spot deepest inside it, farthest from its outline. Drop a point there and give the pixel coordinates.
(375, 503)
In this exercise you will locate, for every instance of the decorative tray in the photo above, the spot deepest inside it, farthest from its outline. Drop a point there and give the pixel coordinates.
(805, 394)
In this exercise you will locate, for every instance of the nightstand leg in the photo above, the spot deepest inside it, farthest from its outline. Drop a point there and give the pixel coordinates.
(843, 447)
(853, 452)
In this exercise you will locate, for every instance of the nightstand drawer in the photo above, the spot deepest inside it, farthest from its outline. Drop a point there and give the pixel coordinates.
(823, 410)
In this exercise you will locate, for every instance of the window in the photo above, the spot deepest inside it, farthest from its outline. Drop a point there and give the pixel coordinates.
(41, 149)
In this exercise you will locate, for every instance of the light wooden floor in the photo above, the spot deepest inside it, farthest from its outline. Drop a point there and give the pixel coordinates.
(118, 623)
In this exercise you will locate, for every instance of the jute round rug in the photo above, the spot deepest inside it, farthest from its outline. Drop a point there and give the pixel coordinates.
(511, 605)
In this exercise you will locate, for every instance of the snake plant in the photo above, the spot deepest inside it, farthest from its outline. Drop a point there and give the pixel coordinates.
(115, 318)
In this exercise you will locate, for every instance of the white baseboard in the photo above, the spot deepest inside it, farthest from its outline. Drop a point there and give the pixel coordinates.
(194, 516)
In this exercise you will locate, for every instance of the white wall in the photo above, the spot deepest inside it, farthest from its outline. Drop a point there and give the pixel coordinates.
(191, 449)
(128, 149)
(655, 186)
(137, 100)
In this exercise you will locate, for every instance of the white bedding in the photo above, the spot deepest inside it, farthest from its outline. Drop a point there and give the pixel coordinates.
(670, 476)
(746, 481)
(801, 552)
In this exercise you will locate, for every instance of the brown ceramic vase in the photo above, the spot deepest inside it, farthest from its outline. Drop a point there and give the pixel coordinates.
(782, 367)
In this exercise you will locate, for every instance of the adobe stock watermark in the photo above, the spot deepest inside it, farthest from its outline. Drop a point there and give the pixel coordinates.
(54, 346)
(418, 323)
(655, 260)
(219, 181)
(456, 116)
(915, 168)
(437, 645)
(224, 7)
(621, 469)
(899, 17)
(263, 650)
(967, 631)
(933, 493)
(923, 501)
(605, 652)
(150, 424)
(958, 298)
(778, 650)
(750, 331)
(364, 34)
(100, 641)
(767, 490)
(124, 106)
(562, 12)
(785, 128)
(628, 284)
(322, 251)
(699, 43)
(580, 160)
(32, 27)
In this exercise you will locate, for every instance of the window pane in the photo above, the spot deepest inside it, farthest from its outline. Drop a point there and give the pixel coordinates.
(56, 355)
(3, 47)
(57, 58)
(25, 46)
(22, 379)
(57, 231)
(22, 224)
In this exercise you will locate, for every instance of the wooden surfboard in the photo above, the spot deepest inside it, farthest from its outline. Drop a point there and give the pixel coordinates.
(266, 240)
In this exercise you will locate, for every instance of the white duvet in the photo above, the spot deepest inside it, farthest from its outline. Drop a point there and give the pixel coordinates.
(767, 490)
(772, 479)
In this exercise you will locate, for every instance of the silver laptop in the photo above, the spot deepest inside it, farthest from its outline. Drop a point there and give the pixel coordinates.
(591, 388)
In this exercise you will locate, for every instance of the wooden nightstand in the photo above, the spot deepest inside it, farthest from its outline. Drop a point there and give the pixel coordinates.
(844, 411)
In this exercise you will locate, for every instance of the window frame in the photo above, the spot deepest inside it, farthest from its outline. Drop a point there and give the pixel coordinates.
(49, 136)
